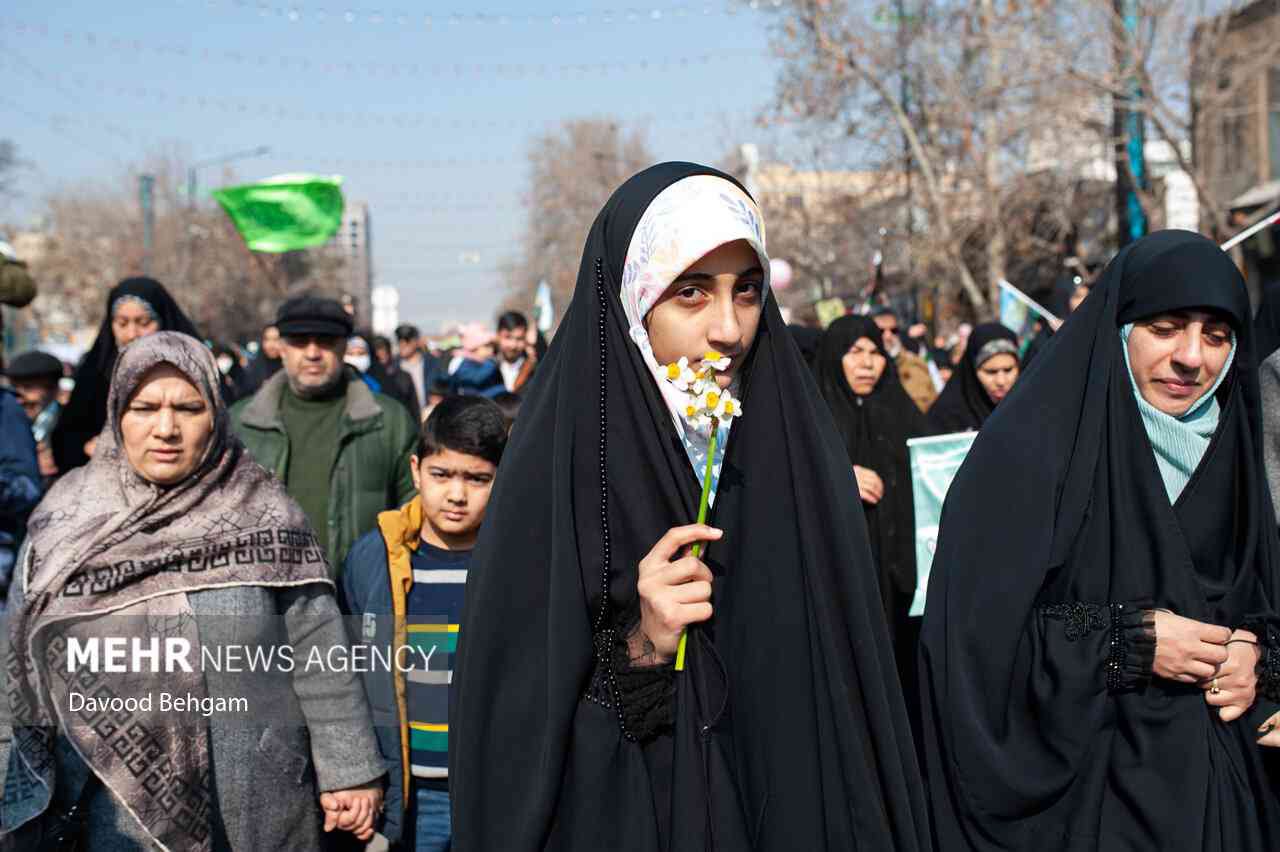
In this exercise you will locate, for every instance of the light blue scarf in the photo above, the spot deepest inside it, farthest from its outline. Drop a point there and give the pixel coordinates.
(1178, 442)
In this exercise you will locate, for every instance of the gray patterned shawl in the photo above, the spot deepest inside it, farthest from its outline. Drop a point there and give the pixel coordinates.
(106, 543)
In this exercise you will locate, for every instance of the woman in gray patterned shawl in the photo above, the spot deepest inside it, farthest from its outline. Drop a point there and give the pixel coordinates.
(173, 537)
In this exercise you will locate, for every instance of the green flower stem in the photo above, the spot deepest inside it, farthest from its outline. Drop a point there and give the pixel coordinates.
(702, 519)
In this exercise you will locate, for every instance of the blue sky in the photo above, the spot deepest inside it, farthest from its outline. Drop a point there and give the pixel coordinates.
(426, 110)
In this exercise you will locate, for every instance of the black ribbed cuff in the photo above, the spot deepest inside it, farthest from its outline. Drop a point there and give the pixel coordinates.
(1131, 638)
(646, 695)
(1132, 644)
(1269, 662)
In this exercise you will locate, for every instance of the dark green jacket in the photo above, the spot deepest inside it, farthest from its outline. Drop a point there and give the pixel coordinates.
(371, 473)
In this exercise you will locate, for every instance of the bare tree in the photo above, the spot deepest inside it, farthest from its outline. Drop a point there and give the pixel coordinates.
(963, 103)
(95, 238)
(572, 172)
(1195, 71)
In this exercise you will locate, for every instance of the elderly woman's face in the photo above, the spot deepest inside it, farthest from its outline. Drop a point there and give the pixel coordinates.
(863, 366)
(166, 426)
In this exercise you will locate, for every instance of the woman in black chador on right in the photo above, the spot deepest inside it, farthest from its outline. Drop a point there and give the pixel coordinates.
(1101, 647)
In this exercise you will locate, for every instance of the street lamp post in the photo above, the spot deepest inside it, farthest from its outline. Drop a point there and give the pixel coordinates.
(260, 151)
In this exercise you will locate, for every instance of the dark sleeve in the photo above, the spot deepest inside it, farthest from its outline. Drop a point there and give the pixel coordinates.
(20, 482)
(1268, 662)
(344, 748)
(1124, 636)
(646, 694)
(366, 565)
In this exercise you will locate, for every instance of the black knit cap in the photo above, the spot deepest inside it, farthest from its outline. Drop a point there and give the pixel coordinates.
(313, 315)
(34, 365)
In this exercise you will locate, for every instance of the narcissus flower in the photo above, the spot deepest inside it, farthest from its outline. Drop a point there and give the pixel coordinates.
(681, 375)
(716, 361)
(728, 409)
(705, 405)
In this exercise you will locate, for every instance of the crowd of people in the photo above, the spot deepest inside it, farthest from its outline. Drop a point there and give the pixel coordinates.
(1098, 665)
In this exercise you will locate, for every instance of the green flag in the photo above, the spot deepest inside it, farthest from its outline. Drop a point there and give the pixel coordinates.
(285, 212)
(934, 463)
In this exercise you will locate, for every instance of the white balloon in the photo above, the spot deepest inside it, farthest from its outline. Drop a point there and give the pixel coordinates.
(780, 274)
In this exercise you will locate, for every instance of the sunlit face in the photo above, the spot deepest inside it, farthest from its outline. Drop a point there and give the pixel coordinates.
(1176, 357)
(35, 394)
(130, 320)
(863, 366)
(453, 489)
(271, 342)
(997, 375)
(511, 343)
(166, 426)
(714, 305)
(313, 362)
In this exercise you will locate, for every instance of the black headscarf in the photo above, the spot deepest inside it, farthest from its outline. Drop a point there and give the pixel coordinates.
(1267, 322)
(806, 339)
(1059, 304)
(963, 405)
(86, 411)
(1056, 535)
(790, 729)
(875, 429)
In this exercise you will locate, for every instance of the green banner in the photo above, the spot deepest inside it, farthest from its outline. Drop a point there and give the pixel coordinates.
(934, 462)
(285, 212)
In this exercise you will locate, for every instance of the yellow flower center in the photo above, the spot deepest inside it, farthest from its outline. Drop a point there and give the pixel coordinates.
(673, 371)
(712, 355)
(690, 410)
(713, 399)
(728, 407)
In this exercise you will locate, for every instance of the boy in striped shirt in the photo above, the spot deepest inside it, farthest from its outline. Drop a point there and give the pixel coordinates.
(403, 583)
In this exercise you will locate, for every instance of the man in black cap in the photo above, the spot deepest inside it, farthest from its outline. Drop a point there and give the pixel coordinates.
(341, 449)
(34, 377)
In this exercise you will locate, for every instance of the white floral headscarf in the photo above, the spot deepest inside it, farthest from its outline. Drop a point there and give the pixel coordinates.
(684, 223)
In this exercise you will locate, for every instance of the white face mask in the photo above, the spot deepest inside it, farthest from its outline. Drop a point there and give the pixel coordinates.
(360, 362)
(225, 363)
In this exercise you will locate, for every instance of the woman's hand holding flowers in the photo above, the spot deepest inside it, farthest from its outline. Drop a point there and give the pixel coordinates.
(674, 593)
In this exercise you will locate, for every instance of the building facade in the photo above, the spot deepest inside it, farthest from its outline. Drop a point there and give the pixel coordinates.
(354, 244)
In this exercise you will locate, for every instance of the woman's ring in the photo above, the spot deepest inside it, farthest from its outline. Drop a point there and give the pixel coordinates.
(1213, 688)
